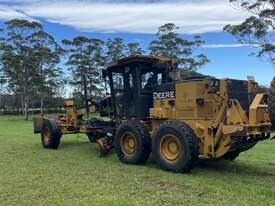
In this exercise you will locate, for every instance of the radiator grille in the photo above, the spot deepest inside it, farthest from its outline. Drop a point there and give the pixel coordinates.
(238, 89)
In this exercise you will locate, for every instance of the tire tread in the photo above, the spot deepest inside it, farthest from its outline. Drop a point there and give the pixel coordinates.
(145, 146)
(188, 133)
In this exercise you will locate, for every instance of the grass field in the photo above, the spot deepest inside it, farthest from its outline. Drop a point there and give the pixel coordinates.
(75, 175)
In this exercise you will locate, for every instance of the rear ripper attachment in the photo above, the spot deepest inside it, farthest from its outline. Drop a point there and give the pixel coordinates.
(150, 110)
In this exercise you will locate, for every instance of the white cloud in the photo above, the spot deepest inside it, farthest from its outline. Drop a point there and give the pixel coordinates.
(216, 46)
(7, 13)
(192, 17)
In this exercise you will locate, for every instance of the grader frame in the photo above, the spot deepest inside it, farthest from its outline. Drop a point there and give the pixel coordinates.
(151, 111)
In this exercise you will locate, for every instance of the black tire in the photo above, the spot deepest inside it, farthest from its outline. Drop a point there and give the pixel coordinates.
(50, 134)
(271, 103)
(140, 134)
(231, 156)
(186, 140)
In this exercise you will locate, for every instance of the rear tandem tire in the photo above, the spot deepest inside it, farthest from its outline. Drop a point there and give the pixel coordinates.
(50, 134)
(175, 147)
(132, 142)
(271, 103)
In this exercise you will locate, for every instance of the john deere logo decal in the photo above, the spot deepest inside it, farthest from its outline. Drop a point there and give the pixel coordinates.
(164, 95)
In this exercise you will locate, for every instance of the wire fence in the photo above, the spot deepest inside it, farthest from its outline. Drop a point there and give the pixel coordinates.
(32, 111)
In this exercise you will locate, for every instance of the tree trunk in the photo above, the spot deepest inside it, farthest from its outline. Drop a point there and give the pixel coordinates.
(42, 106)
(22, 105)
(1, 90)
(17, 104)
(26, 109)
(32, 109)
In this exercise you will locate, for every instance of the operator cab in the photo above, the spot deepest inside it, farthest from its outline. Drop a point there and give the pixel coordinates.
(133, 80)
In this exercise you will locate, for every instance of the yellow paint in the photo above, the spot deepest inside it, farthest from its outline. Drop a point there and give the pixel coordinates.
(206, 108)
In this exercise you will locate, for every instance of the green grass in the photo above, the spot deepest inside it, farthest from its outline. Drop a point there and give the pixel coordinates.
(75, 175)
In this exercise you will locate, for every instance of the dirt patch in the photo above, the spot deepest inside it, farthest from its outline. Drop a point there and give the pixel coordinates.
(165, 185)
(265, 174)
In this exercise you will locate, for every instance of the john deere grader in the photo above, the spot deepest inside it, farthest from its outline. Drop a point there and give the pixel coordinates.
(151, 111)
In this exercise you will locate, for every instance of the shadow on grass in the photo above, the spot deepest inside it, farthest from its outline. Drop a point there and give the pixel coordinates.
(225, 168)
(236, 168)
(218, 167)
(85, 147)
(73, 144)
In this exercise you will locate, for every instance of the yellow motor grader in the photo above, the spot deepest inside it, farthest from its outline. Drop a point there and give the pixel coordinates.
(150, 110)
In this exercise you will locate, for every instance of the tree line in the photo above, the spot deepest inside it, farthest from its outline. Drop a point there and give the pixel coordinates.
(34, 67)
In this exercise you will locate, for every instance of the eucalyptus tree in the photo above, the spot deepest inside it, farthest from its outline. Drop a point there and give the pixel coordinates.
(169, 43)
(258, 30)
(2, 76)
(3, 82)
(115, 50)
(134, 49)
(47, 52)
(28, 59)
(85, 58)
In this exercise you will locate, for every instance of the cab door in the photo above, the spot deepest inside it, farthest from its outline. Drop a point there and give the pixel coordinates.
(123, 92)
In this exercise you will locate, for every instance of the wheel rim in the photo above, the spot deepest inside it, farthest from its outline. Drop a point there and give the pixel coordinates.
(170, 147)
(46, 135)
(128, 143)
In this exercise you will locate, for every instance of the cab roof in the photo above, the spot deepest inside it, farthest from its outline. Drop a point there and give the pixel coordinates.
(140, 59)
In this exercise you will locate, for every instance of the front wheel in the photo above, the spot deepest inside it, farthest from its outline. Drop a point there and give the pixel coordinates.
(175, 147)
(50, 134)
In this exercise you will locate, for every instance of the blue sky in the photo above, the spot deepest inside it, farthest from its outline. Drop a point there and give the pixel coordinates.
(138, 20)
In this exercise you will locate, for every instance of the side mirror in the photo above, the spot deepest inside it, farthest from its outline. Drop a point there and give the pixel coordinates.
(104, 73)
